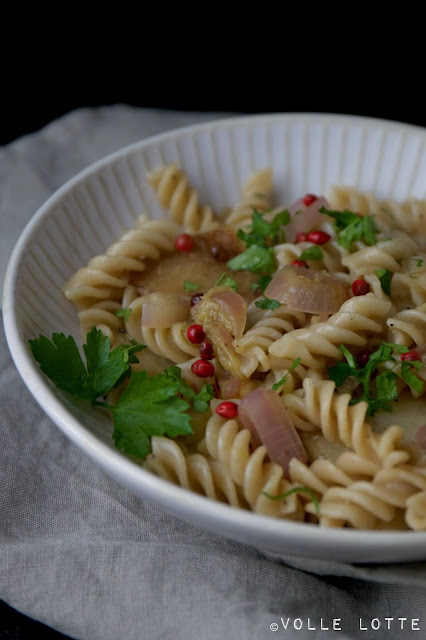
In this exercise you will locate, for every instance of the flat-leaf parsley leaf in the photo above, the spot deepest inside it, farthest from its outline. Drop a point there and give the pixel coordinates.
(148, 406)
(351, 227)
(60, 359)
(385, 388)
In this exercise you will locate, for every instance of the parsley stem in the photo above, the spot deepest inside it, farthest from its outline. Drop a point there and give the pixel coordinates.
(284, 496)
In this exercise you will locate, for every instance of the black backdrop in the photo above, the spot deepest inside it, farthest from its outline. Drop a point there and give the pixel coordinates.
(35, 92)
(26, 113)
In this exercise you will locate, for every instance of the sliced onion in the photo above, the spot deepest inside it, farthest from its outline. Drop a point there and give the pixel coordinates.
(263, 413)
(222, 314)
(420, 437)
(223, 305)
(305, 218)
(308, 290)
(161, 310)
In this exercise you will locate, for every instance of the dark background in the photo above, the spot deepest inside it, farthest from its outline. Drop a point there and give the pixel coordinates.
(344, 77)
(25, 113)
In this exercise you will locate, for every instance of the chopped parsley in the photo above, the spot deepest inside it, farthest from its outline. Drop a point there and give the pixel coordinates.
(385, 277)
(259, 257)
(261, 284)
(123, 313)
(227, 281)
(312, 253)
(263, 233)
(284, 496)
(409, 377)
(267, 303)
(190, 286)
(283, 380)
(148, 406)
(384, 390)
(352, 227)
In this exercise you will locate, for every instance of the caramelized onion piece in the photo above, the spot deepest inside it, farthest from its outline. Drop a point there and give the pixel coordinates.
(222, 314)
(305, 218)
(233, 309)
(222, 305)
(162, 310)
(263, 413)
(308, 290)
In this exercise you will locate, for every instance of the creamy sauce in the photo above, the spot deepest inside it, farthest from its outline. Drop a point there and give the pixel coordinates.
(407, 412)
(198, 267)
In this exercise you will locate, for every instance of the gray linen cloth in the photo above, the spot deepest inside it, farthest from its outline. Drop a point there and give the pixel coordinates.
(83, 555)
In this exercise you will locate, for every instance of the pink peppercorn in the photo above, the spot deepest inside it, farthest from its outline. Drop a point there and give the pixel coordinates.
(318, 237)
(202, 368)
(360, 287)
(227, 409)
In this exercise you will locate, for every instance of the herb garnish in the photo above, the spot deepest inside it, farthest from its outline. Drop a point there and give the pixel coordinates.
(148, 406)
(267, 303)
(385, 277)
(312, 253)
(259, 257)
(284, 496)
(227, 281)
(190, 286)
(283, 380)
(61, 361)
(351, 227)
(263, 233)
(261, 284)
(385, 384)
(123, 313)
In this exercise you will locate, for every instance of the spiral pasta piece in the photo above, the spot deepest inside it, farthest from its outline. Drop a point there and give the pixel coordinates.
(391, 490)
(323, 473)
(357, 319)
(318, 407)
(192, 471)
(103, 316)
(105, 276)
(415, 515)
(387, 253)
(408, 327)
(361, 506)
(251, 471)
(254, 343)
(170, 342)
(409, 285)
(176, 194)
(255, 195)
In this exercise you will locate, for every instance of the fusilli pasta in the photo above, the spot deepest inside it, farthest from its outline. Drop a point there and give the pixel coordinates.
(326, 366)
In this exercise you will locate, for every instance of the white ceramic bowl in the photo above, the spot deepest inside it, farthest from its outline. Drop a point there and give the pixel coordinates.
(308, 153)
